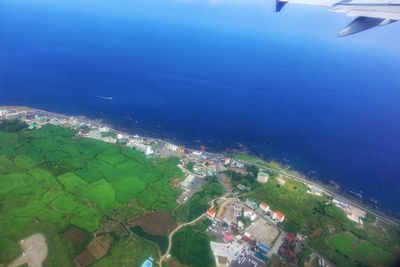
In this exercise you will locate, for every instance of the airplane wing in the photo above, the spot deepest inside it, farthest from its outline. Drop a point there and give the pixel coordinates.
(368, 13)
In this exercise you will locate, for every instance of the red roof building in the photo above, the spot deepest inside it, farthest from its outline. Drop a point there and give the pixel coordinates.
(210, 214)
(278, 216)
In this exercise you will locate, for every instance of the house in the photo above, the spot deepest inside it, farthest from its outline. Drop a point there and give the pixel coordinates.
(181, 150)
(262, 177)
(227, 161)
(278, 216)
(210, 214)
(264, 207)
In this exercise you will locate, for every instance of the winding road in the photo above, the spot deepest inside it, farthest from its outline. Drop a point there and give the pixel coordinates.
(171, 235)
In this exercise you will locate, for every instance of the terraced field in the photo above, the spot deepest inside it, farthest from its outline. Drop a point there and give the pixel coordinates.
(50, 177)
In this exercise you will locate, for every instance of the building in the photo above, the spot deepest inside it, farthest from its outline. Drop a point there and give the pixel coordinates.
(315, 190)
(104, 129)
(210, 214)
(248, 213)
(197, 153)
(227, 161)
(171, 147)
(251, 203)
(278, 216)
(149, 151)
(262, 177)
(263, 247)
(340, 203)
(228, 238)
(148, 262)
(249, 239)
(264, 207)
(181, 150)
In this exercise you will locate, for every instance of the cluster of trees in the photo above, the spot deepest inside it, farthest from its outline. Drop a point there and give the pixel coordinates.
(245, 179)
(12, 126)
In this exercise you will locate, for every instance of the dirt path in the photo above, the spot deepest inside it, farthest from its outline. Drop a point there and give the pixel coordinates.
(34, 250)
(176, 230)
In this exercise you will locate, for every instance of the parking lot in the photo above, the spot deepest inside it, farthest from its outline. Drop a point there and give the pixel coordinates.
(246, 258)
(217, 230)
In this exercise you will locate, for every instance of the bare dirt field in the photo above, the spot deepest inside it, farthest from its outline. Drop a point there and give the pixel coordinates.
(34, 250)
(226, 181)
(175, 183)
(76, 236)
(95, 250)
(155, 223)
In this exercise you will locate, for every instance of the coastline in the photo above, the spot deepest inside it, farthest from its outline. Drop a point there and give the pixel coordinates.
(278, 168)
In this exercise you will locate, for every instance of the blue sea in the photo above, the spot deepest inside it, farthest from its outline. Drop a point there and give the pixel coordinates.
(228, 75)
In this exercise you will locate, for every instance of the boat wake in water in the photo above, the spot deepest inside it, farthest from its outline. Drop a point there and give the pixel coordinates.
(105, 97)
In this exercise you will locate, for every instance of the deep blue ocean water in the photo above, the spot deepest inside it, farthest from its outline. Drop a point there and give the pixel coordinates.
(226, 76)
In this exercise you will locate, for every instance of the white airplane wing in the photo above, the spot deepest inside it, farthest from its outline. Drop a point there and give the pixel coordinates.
(368, 13)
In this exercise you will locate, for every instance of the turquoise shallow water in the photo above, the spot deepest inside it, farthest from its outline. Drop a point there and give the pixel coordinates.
(223, 76)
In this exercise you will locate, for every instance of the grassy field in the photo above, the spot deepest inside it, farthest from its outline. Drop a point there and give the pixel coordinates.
(49, 176)
(161, 241)
(132, 251)
(192, 248)
(330, 231)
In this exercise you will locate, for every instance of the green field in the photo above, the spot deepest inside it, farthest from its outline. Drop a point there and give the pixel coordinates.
(161, 241)
(329, 230)
(51, 177)
(192, 248)
(132, 251)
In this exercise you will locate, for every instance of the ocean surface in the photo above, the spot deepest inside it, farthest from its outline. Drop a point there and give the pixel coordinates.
(237, 75)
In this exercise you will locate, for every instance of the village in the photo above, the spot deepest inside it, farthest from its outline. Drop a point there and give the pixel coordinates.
(242, 232)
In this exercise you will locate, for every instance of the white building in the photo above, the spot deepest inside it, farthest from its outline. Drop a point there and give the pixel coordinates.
(197, 153)
(149, 151)
(171, 147)
(104, 129)
(262, 177)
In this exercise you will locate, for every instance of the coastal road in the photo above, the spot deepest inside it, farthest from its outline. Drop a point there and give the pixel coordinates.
(304, 180)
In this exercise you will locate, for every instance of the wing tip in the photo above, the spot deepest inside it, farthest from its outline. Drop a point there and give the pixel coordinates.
(279, 4)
